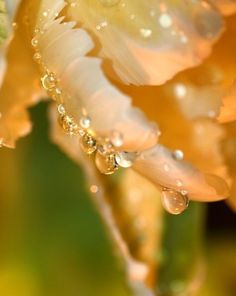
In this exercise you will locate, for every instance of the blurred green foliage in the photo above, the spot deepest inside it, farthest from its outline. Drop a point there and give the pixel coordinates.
(53, 241)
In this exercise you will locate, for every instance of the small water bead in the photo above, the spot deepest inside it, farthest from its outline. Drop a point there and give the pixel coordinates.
(48, 81)
(85, 122)
(125, 159)
(174, 202)
(61, 109)
(178, 154)
(179, 183)
(56, 94)
(37, 57)
(106, 163)
(68, 125)
(166, 167)
(165, 20)
(146, 33)
(109, 3)
(116, 138)
(88, 144)
(208, 21)
(34, 42)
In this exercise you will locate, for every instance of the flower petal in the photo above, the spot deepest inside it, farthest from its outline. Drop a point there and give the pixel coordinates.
(20, 88)
(85, 87)
(160, 167)
(149, 42)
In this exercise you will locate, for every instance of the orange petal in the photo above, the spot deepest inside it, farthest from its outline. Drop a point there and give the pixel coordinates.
(148, 42)
(20, 88)
(228, 110)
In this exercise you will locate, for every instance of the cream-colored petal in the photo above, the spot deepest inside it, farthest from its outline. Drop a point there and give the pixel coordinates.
(148, 42)
(160, 167)
(85, 88)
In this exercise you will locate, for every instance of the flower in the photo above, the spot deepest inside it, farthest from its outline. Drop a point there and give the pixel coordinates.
(100, 60)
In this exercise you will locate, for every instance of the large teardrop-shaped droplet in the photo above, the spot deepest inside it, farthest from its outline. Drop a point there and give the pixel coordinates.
(173, 201)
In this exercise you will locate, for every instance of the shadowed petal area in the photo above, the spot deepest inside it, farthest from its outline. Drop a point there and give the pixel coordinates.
(20, 88)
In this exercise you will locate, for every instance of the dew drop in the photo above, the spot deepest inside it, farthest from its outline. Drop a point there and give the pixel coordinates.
(165, 20)
(48, 81)
(208, 21)
(88, 144)
(174, 202)
(85, 122)
(178, 154)
(109, 3)
(106, 163)
(125, 159)
(34, 42)
(68, 125)
(116, 138)
(37, 57)
(145, 33)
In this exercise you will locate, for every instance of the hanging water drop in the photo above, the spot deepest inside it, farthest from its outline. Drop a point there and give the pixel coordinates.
(173, 201)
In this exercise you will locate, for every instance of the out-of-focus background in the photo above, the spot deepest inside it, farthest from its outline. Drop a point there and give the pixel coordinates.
(52, 241)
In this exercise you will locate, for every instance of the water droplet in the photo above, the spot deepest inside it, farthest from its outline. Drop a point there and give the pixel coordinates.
(165, 20)
(109, 3)
(48, 81)
(208, 21)
(174, 202)
(166, 167)
(116, 138)
(125, 159)
(146, 33)
(61, 109)
(178, 154)
(37, 57)
(179, 183)
(85, 122)
(34, 42)
(88, 144)
(106, 162)
(68, 125)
